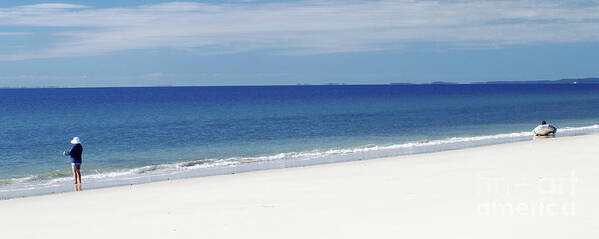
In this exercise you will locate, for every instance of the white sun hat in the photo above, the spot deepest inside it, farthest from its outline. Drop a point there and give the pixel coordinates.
(75, 140)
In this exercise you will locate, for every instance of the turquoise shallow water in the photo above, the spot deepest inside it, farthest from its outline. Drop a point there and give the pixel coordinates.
(133, 135)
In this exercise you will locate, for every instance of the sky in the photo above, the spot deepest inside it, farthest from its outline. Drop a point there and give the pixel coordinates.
(160, 43)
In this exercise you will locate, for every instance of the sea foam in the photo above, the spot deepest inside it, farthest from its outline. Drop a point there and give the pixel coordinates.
(59, 181)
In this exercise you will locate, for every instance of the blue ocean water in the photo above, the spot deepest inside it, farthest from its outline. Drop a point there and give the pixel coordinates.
(134, 135)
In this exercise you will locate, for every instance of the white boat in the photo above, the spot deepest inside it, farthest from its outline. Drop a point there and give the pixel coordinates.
(544, 130)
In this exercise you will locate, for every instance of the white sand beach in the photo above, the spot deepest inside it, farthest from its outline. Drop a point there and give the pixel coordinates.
(544, 188)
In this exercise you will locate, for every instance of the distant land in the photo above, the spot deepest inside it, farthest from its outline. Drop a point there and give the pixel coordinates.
(588, 81)
(432, 83)
(562, 81)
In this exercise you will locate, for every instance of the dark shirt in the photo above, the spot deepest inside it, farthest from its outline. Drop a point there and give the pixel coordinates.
(75, 153)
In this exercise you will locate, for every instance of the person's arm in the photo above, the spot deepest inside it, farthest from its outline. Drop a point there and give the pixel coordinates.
(65, 153)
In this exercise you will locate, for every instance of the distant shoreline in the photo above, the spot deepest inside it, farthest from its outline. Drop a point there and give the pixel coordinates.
(583, 81)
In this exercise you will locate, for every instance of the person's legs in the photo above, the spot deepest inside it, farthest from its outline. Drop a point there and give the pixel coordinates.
(77, 176)
(74, 174)
(78, 171)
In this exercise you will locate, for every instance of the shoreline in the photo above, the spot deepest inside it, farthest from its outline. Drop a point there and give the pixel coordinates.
(448, 145)
(524, 189)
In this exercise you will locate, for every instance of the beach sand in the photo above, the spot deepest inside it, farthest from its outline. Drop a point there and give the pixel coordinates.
(544, 188)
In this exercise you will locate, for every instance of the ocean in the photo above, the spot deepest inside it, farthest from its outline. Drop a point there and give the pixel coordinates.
(146, 134)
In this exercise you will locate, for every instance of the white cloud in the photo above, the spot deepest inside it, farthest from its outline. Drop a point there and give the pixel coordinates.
(304, 27)
(14, 33)
(46, 6)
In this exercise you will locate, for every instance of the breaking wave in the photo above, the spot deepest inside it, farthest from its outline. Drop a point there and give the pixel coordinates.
(204, 167)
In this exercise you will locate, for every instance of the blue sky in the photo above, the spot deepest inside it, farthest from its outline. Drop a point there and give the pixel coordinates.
(148, 43)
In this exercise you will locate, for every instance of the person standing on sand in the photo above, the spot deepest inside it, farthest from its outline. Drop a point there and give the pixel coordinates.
(75, 154)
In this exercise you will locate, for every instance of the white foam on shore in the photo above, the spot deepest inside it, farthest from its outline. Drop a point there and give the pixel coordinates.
(32, 185)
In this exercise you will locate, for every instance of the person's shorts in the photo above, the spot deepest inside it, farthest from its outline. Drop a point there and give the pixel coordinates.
(76, 165)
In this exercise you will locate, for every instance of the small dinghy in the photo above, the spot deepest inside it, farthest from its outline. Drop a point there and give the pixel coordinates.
(544, 130)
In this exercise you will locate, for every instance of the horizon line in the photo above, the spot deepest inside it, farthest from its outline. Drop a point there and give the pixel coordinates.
(438, 83)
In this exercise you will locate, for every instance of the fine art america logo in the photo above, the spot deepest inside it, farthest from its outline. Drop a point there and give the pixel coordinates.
(538, 196)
